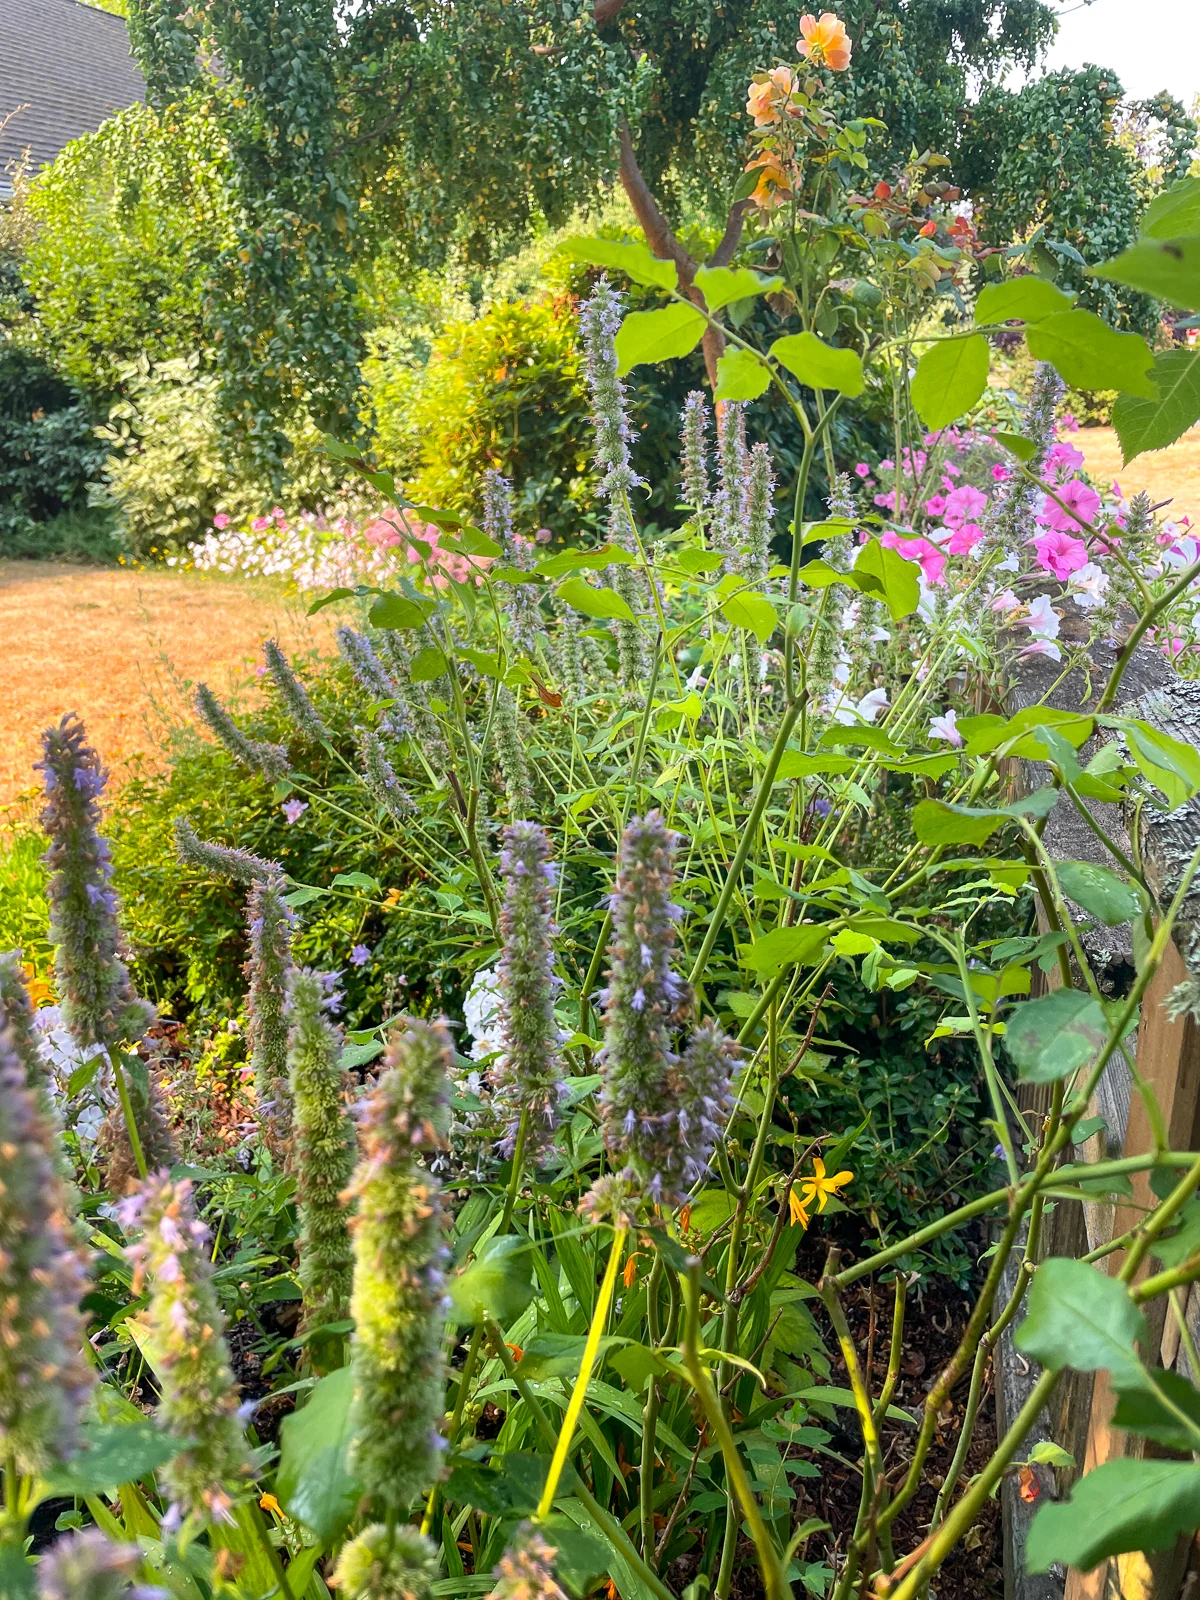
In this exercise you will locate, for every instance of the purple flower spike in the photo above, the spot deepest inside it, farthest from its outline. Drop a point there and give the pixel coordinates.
(533, 1071)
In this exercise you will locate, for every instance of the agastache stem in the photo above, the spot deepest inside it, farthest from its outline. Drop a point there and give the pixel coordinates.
(131, 1127)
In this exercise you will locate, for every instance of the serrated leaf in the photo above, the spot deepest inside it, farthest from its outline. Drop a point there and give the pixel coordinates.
(784, 947)
(1024, 449)
(950, 378)
(1120, 1506)
(720, 286)
(695, 562)
(595, 602)
(608, 555)
(1108, 898)
(497, 1282)
(114, 1453)
(797, 764)
(314, 1482)
(894, 578)
(1088, 354)
(675, 330)
(1026, 299)
(741, 376)
(1055, 1034)
(819, 365)
(632, 258)
(1079, 1317)
(1047, 1453)
(1169, 269)
(1154, 424)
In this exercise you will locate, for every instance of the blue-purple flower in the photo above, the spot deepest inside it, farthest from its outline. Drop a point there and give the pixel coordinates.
(531, 1081)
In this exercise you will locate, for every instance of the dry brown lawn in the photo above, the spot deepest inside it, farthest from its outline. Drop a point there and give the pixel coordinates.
(122, 649)
(1172, 474)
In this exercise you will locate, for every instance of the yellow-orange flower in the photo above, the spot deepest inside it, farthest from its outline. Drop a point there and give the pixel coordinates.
(758, 105)
(818, 1188)
(825, 43)
(773, 186)
(796, 1209)
(783, 78)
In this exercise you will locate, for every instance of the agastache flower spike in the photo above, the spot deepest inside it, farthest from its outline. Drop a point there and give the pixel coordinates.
(294, 695)
(1016, 505)
(16, 1014)
(533, 1072)
(701, 1097)
(198, 1397)
(223, 860)
(379, 775)
(99, 1004)
(571, 652)
(695, 453)
(44, 1379)
(271, 760)
(415, 696)
(520, 599)
(730, 504)
(509, 728)
(88, 1565)
(359, 654)
(387, 1564)
(644, 999)
(323, 1149)
(268, 968)
(526, 1569)
(399, 1254)
(599, 320)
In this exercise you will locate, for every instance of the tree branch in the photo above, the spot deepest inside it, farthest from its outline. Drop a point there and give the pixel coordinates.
(604, 11)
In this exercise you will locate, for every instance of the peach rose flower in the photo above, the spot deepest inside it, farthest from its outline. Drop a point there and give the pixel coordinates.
(825, 43)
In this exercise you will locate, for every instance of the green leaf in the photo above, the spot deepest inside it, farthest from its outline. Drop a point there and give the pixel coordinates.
(1055, 1034)
(358, 880)
(1141, 1411)
(894, 578)
(1049, 1454)
(608, 555)
(748, 609)
(114, 1453)
(1024, 449)
(1169, 269)
(695, 562)
(556, 1355)
(949, 379)
(1080, 1317)
(1120, 1506)
(940, 822)
(1169, 764)
(83, 1075)
(1154, 424)
(427, 665)
(394, 611)
(720, 286)
(633, 259)
(16, 1574)
(674, 330)
(797, 764)
(785, 947)
(497, 1282)
(819, 365)
(330, 599)
(1025, 299)
(314, 1482)
(581, 596)
(741, 375)
(357, 1055)
(1174, 214)
(1108, 898)
(1088, 354)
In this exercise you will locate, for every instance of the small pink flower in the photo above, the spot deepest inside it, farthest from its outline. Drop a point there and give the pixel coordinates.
(965, 504)
(1079, 505)
(952, 470)
(261, 524)
(221, 520)
(1043, 621)
(935, 505)
(963, 540)
(1058, 553)
(946, 727)
(1064, 456)
(293, 810)
(862, 470)
(1006, 600)
(1043, 647)
(1000, 472)
(1068, 422)
(931, 560)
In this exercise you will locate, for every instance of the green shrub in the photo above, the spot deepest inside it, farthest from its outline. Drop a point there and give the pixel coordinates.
(48, 447)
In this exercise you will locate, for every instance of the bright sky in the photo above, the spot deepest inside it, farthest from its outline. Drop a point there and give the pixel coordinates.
(1149, 44)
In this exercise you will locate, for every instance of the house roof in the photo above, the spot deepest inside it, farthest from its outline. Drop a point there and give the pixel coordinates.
(68, 67)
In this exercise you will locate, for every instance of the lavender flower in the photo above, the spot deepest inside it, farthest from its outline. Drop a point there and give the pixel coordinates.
(532, 1079)
(599, 320)
(387, 1564)
(198, 1398)
(520, 599)
(729, 505)
(220, 859)
(379, 775)
(44, 1379)
(270, 760)
(293, 810)
(359, 654)
(99, 1004)
(294, 695)
(526, 1569)
(695, 454)
(323, 1149)
(271, 921)
(87, 1565)
(644, 999)
(510, 750)
(397, 1304)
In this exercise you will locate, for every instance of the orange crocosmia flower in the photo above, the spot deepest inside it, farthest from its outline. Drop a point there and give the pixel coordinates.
(758, 105)
(269, 1503)
(630, 1273)
(818, 1188)
(796, 1209)
(825, 43)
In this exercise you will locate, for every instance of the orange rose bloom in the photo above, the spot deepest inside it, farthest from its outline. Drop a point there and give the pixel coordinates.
(758, 105)
(825, 43)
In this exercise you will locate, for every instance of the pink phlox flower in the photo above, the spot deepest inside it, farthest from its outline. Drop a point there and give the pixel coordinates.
(1000, 472)
(963, 540)
(862, 470)
(931, 560)
(382, 534)
(1058, 553)
(946, 727)
(261, 524)
(1079, 505)
(952, 470)
(935, 505)
(221, 520)
(293, 810)
(1068, 422)
(965, 504)
(889, 500)
(280, 515)
(887, 464)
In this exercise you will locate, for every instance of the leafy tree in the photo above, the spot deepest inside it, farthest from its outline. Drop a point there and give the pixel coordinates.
(460, 124)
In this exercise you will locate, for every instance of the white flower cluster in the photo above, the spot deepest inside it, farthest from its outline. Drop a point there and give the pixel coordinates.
(87, 1109)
